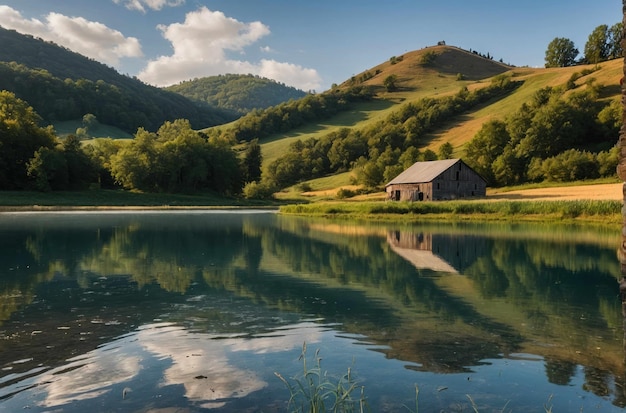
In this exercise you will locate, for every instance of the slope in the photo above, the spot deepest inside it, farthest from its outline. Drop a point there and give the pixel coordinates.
(62, 85)
(239, 93)
(447, 72)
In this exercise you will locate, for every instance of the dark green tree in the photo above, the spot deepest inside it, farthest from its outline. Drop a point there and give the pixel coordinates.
(81, 172)
(391, 83)
(20, 137)
(597, 48)
(445, 151)
(251, 163)
(48, 170)
(615, 49)
(561, 52)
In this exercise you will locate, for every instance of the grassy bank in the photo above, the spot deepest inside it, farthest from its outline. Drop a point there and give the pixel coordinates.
(111, 199)
(607, 212)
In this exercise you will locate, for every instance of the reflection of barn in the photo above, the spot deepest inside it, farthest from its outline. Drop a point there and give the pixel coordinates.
(436, 180)
(438, 252)
(418, 250)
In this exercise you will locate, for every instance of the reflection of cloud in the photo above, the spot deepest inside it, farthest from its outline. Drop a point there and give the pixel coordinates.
(200, 364)
(281, 339)
(89, 377)
(197, 361)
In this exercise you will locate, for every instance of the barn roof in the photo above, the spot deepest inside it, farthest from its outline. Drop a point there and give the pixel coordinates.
(421, 172)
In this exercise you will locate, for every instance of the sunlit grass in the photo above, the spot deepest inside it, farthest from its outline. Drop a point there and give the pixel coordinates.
(314, 391)
(114, 198)
(599, 210)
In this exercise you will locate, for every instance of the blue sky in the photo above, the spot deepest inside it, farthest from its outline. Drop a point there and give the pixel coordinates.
(306, 44)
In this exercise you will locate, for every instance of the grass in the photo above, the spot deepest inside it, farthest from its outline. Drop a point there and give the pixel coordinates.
(102, 198)
(315, 392)
(417, 82)
(99, 130)
(601, 211)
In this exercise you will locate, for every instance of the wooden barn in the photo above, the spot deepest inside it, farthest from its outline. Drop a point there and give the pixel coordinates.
(435, 181)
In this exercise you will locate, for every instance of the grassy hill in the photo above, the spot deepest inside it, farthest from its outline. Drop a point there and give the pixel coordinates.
(239, 93)
(62, 85)
(450, 70)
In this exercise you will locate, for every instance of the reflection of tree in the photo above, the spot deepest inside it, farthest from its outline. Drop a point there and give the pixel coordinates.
(559, 371)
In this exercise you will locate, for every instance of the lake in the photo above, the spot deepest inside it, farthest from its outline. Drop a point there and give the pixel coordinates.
(193, 311)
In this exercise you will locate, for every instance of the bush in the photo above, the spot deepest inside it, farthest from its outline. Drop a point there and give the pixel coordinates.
(256, 190)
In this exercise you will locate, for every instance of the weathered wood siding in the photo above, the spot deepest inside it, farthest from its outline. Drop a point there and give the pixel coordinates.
(457, 182)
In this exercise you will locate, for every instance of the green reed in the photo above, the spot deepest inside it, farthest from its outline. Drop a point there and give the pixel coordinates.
(315, 392)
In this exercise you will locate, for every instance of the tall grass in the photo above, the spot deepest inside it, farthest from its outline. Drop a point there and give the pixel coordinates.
(593, 210)
(315, 392)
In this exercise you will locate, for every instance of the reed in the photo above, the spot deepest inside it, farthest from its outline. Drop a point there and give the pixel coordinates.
(315, 392)
(591, 210)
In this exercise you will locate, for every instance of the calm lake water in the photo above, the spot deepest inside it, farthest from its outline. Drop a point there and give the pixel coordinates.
(167, 312)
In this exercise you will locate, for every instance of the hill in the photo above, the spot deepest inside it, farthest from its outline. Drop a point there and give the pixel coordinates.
(427, 78)
(62, 85)
(238, 93)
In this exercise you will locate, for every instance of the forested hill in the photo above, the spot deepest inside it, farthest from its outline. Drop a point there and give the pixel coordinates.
(62, 85)
(240, 93)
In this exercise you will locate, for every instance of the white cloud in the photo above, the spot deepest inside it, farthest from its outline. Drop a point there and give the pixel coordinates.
(141, 5)
(91, 39)
(200, 45)
(266, 49)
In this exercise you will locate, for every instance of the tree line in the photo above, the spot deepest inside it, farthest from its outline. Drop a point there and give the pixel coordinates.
(127, 108)
(556, 136)
(238, 93)
(604, 43)
(379, 152)
(176, 158)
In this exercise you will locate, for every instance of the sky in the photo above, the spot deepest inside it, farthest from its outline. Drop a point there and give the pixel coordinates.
(310, 45)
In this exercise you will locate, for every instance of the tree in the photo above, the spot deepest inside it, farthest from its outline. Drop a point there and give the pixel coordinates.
(486, 146)
(561, 52)
(596, 48)
(615, 49)
(391, 83)
(251, 163)
(445, 151)
(20, 138)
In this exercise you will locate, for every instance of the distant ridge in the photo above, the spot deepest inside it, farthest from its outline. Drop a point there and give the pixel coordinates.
(128, 103)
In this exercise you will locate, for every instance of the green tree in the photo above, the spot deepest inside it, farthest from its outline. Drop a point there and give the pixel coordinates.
(20, 137)
(445, 151)
(615, 49)
(252, 160)
(486, 146)
(48, 170)
(391, 83)
(596, 48)
(561, 52)
(80, 170)
(134, 166)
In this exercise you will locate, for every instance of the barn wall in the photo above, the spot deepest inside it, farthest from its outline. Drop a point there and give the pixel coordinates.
(410, 192)
(457, 182)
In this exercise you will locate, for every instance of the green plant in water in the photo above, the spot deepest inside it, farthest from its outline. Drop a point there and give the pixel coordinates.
(315, 392)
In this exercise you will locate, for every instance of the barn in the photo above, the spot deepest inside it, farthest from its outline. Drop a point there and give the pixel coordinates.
(435, 181)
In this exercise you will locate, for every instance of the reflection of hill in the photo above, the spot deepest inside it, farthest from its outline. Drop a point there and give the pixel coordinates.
(511, 294)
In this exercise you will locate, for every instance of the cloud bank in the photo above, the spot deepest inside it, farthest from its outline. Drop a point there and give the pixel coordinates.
(200, 45)
(91, 39)
(141, 5)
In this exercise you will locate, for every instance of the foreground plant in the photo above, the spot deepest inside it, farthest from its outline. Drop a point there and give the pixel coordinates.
(314, 391)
